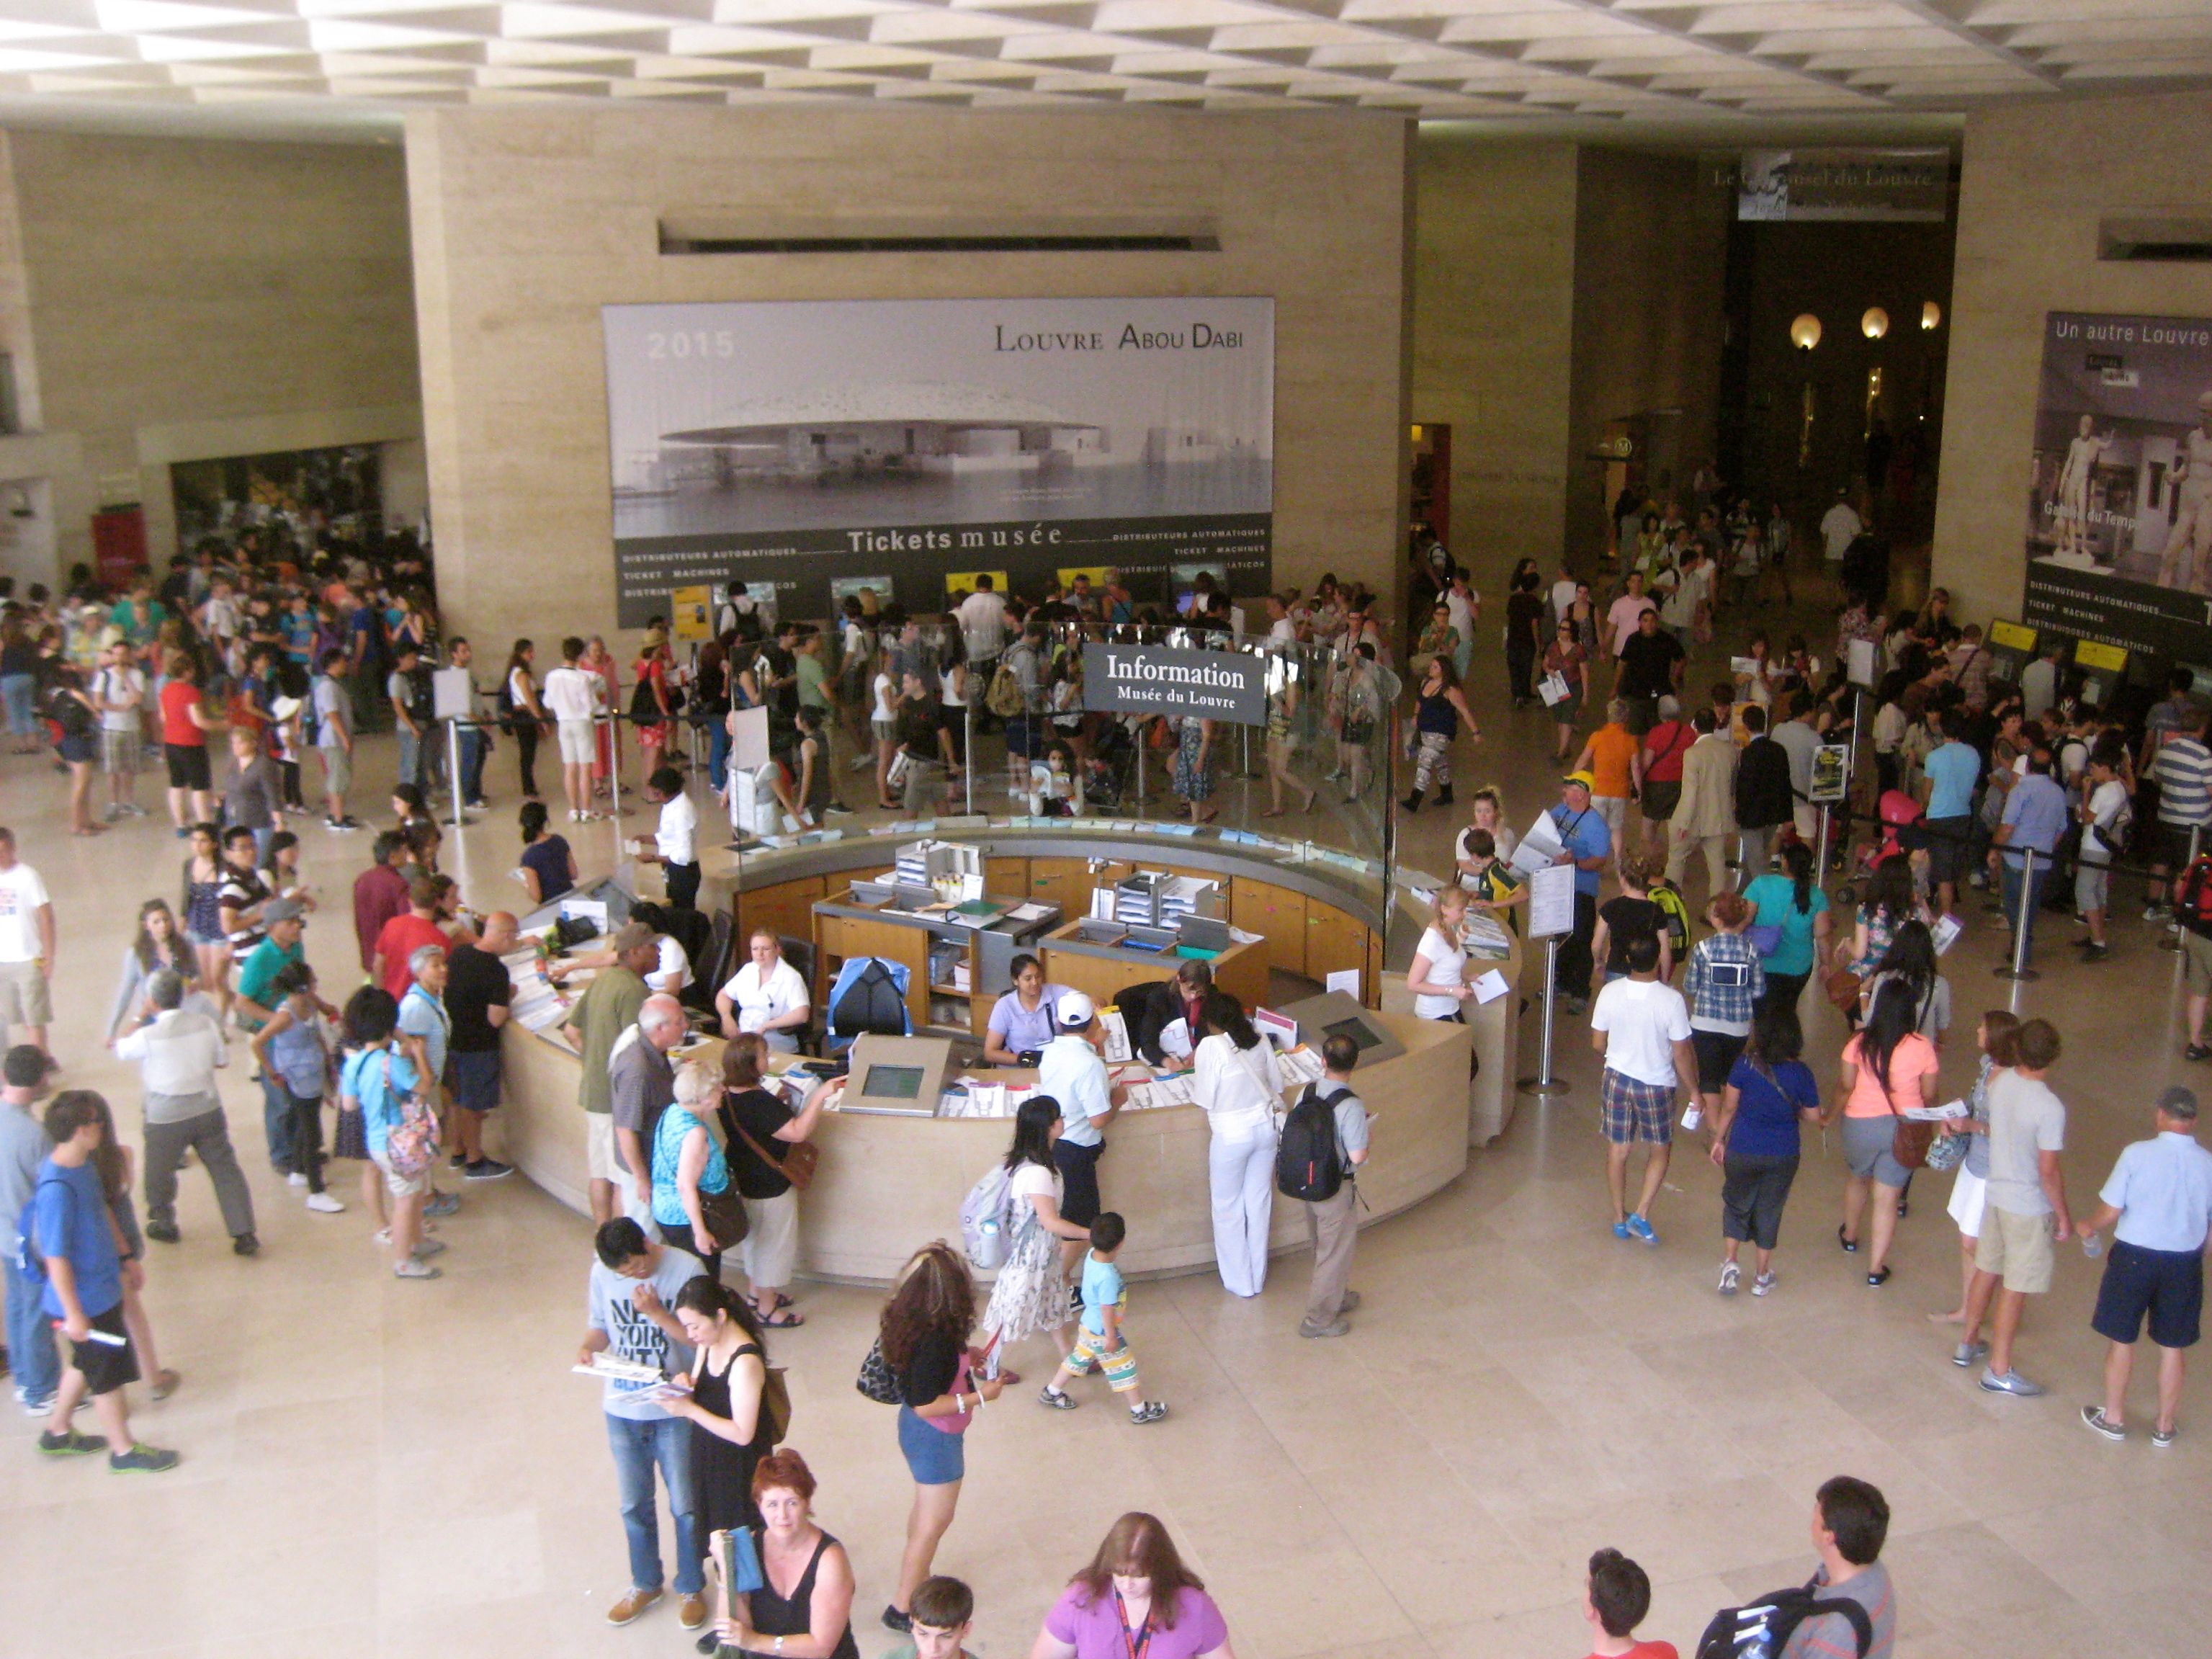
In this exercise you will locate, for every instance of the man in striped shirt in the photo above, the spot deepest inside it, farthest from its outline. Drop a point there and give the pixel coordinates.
(2183, 772)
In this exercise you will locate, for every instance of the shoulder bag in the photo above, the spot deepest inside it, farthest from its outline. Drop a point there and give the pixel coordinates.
(875, 1379)
(1909, 1139)
(798, 1163)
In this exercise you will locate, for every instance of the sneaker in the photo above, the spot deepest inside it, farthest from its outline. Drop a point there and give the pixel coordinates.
(1969, 1353)
(295, 1179)
(632, 1605)
(323, 1204)
(692, 1611)
(1621, 1230)
(2094, 952)
(2153, 912)
(838, 810)
(162, 1232)
(245, 1244)
(425, 1248)
(35, 1404)
(1337, 1327)
(2163, 1438)
(441, 1204)
(1149, 1411)
(349, 821)
(459, 1161)
(413, 1268)
(1351, 1302)
(1577, 1006)
(894, 1619)
(1731, 1275)
(2094, 1418)
(69, 1444)
(2197, 1051)
(2011, 1382)
(1055, 1398)
(142, 1459)
(488, 1169)
(1762, 1285)
(1642, 1229)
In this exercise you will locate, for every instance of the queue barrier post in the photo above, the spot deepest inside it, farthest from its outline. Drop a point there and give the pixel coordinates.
(2017, 969)
(1544, 1083)
(968, 746)
(453, 771)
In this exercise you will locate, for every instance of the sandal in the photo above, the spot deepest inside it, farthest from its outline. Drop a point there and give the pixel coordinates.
(782, 1320)
(781, 1302)
(165, 1384)
(1850, 1245)
(415, 1268)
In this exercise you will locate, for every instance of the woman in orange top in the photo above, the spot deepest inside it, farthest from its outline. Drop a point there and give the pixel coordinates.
(1888, 1068)
(1614, 758)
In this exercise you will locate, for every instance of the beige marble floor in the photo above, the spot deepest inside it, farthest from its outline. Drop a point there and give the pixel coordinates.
(375, 1468)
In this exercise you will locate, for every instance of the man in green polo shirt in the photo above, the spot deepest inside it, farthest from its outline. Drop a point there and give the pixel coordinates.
(285, 921)
(608, 1007)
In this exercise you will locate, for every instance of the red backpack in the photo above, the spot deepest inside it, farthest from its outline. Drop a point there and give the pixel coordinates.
(2192, 897)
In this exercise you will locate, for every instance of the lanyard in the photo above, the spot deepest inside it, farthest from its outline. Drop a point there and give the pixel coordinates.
(1133, 1646)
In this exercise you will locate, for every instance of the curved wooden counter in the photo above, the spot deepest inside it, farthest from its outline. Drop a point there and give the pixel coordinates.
(889, 1184)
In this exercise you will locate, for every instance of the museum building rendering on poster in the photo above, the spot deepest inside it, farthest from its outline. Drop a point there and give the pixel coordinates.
(770, 442)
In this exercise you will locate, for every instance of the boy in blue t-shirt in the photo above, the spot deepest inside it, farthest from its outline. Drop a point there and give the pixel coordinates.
(1102, 1344)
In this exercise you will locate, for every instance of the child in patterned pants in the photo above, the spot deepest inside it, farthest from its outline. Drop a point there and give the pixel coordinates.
(1101, 1343)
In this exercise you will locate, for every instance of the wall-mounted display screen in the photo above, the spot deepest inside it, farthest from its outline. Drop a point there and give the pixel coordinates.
(798, 441)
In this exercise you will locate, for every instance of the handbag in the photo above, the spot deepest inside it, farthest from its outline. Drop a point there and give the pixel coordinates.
(1766, 937)
(1946, 1151)
(875, 1379)
(724, 1212)
(798, 1163)
(1909, 1141)
(1843, 989)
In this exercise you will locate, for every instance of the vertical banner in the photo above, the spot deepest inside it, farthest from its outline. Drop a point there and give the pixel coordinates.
(802, 442)
(2119, 508)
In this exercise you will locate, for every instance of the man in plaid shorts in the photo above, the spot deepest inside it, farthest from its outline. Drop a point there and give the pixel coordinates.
(1642, 1027)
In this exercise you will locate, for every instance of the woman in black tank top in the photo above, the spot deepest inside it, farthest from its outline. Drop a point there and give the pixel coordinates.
(729, 1433)
(803, 1611)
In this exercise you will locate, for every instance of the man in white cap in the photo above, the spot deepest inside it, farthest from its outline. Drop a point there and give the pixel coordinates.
(1073, 1073)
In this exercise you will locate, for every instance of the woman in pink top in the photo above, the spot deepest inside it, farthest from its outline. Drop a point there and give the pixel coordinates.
(1888, 1068)
(1136, 1596)
(597, 660)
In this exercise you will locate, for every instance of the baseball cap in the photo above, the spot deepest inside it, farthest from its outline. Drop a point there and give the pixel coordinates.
(283, 909)
(1585, 778)
(1073, 1011)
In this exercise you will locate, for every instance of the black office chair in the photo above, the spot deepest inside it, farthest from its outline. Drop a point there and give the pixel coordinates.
(800, 953)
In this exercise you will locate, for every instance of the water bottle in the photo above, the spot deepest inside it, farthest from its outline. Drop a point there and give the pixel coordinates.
(2093, 1246)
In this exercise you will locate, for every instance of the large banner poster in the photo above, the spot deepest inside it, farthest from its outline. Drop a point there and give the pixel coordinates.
(2119, 514)
(891, 443)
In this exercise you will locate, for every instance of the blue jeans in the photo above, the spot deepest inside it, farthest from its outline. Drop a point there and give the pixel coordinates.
(473, 747)
(276, 1120)
(31, 1353)
(637, 1447)
(20, 691)
(718, 756)
(2014, 915)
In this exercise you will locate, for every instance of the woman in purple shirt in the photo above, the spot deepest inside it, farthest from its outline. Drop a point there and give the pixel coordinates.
(1136, 1596)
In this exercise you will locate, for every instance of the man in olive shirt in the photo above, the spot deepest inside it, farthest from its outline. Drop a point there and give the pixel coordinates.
(608, 1008)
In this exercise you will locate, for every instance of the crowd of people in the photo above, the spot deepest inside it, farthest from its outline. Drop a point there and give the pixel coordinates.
(1985, 776)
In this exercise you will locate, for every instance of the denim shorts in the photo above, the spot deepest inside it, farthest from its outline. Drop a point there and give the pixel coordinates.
(933, 1457)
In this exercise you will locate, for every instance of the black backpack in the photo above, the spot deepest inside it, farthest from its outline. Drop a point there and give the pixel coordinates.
(1762, 1629)
(870, 1003)
(1307, 1165)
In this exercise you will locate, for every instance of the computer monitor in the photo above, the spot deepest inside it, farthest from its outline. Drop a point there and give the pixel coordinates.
(892, 1083)
(896, 1076)
(1333, 1013)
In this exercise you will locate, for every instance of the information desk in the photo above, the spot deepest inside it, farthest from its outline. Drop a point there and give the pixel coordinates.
(888, 1185)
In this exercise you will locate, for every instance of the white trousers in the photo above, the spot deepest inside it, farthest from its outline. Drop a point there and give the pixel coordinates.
(1242, 1174)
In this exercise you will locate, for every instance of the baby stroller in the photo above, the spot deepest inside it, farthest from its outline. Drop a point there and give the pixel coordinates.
(1900, 816)
(1109, 776)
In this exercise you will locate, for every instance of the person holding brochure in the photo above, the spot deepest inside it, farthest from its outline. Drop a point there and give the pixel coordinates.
(635, 1282)
(722, 1399)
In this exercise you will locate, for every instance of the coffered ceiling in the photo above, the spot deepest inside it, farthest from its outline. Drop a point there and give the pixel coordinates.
(1643, 68)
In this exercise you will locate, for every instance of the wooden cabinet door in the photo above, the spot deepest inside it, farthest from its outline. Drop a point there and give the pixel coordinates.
(787, 907)
(1333, 944)
(1278, 916)
(1064, 882)
(1006, 877)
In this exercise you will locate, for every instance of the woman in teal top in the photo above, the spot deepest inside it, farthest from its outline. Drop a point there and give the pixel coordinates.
(689, 1167)
(1793, 904)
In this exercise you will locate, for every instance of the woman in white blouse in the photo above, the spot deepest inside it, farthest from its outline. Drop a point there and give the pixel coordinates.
(1437, 978)
(1235, 1081)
